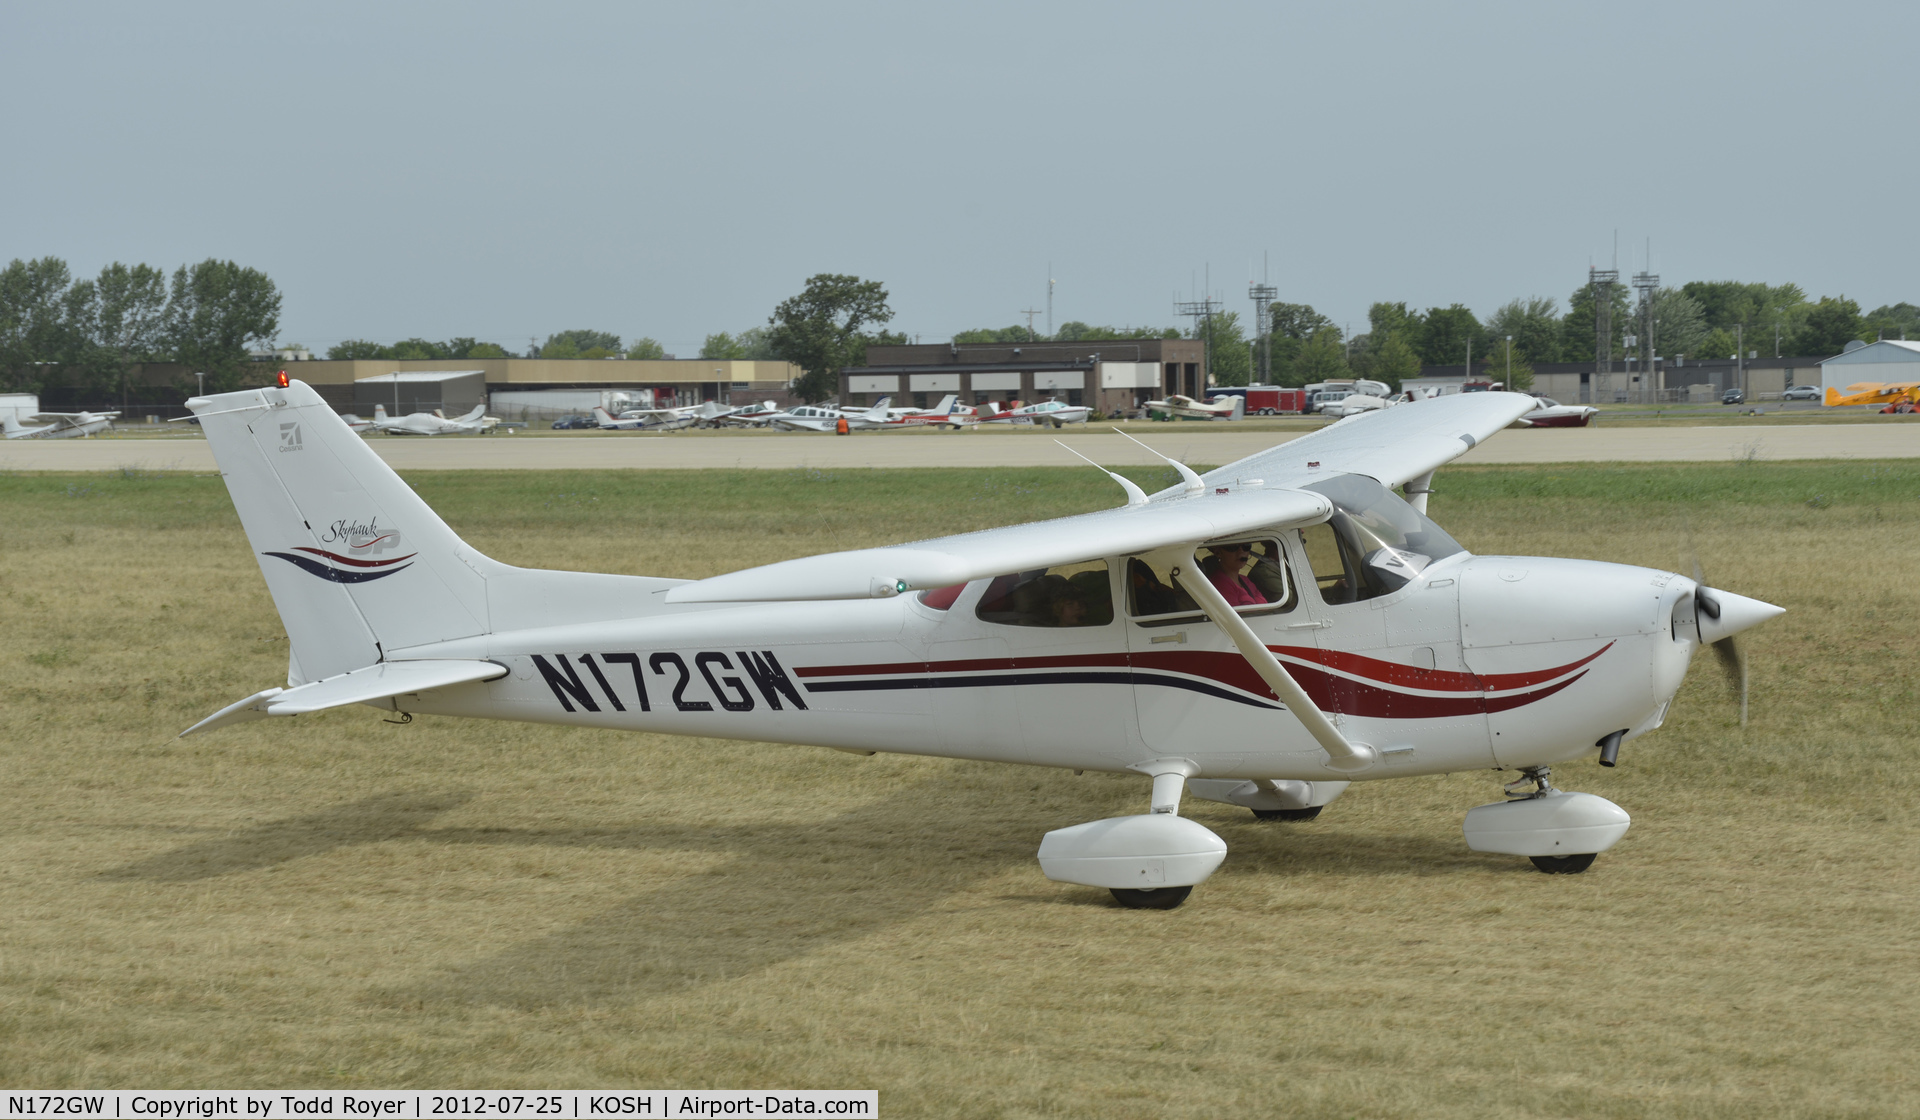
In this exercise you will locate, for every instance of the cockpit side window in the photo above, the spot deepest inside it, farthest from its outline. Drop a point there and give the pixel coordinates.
(1066, 595)
(1250, 574)
(1374, 544)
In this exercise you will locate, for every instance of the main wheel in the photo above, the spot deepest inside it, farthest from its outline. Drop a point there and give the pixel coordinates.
(1306, 814)
(1563, 865)
(1159, 898)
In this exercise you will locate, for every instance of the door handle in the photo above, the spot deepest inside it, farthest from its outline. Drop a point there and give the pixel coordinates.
(1181, 637)
(1319, 624)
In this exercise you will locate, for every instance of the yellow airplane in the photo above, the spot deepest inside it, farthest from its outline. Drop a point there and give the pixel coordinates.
(1902, 396)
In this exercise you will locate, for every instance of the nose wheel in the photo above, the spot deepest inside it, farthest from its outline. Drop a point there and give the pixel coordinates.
(1160, 898)
(1559, 831)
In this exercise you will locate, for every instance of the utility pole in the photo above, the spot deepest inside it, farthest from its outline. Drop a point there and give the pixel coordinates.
(1469, 376)
(1509, 363)
(1202, 309)
(1740, 357)
(1030, 312)
(1050, 299)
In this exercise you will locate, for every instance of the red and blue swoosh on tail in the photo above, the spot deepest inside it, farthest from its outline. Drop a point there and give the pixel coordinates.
(335, 568)
(1336, 681)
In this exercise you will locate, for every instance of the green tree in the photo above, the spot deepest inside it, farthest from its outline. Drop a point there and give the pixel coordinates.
(1762, 309)
(1014, 335)
(1076, 331)
(123, 319)
(1510, 365)
(1898, 320)
(756, 345)
(418, 350)
(1577, 327)
(215, 312)
(1679, 322)
(487, 350)
(357, 350)
(1296, 320)
(1827, 328)
(1719, 343)
(646, 350)
(1228, 359)
(35, 322)
(825, 328)
(722, 347)
(1533, 323)
(1321, 357)
(576, 343)
(1394, 360)
(1445, 333)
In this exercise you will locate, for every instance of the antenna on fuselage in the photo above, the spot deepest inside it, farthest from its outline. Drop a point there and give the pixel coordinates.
(1135, 495)
(1195, 484)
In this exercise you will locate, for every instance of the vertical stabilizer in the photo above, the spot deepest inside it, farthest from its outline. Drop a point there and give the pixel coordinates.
(358, 565)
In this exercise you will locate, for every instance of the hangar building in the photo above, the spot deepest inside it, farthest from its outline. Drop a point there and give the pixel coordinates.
(1111, 375)
(1884, 361)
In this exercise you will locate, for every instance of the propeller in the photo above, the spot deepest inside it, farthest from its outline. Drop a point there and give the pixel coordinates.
(1707, 613)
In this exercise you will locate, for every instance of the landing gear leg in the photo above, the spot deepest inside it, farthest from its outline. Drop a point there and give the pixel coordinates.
(1540, 776)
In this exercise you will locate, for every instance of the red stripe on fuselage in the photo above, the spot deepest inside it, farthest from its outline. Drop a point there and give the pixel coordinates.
(1431, 680)
(1330, 691)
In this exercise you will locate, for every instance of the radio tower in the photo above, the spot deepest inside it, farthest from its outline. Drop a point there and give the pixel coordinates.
(1602, 280)
(1645, 283)
(1262, 296)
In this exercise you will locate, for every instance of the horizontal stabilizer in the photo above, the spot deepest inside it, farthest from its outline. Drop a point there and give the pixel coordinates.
(375, 682)
(878, 573)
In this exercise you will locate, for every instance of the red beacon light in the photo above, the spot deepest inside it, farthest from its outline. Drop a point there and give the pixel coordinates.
(283, 379)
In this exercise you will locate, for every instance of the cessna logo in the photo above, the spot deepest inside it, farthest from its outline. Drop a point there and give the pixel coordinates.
(713, 679)
(360, 542)
(362, 538)
(289, 437)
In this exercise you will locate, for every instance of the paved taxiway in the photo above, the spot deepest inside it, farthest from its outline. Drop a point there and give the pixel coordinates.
(1209, 444)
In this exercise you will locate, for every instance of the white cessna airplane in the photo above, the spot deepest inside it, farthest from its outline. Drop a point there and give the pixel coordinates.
(1179, 406)
(1262, 636)
(66, 425)
(428, 424)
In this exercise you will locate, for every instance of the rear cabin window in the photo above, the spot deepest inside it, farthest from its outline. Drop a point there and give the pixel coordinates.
(1250, 575)
(1062, 596)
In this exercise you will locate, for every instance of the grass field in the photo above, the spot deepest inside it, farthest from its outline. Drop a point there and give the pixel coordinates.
(339, 901)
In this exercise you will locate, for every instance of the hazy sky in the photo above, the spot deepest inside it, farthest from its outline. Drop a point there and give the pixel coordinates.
(672, 170)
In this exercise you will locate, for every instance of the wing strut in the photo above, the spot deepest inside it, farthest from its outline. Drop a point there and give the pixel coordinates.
(1343, 756)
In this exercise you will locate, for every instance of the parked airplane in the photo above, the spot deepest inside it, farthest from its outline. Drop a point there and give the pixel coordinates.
(1260, 636)
(1054, 412)
(66, 425)
(826, 418)
(1179, 406)
(1902, 396)
(1548, 413)
(429, 424)
(704, 414)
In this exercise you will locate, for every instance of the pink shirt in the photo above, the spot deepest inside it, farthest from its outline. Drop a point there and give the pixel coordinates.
(1236, 589)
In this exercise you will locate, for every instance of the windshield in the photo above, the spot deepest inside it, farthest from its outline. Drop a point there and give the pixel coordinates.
(1386, 540)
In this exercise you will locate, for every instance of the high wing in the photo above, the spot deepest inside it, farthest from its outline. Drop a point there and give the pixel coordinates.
(875, 573)
(1391, 446)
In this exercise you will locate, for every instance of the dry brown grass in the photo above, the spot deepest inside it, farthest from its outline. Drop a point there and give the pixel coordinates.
(338, 901)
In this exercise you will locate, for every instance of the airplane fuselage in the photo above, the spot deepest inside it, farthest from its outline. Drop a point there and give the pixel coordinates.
(1481, 662)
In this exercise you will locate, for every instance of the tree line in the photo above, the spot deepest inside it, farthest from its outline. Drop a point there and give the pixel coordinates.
(1699, 319)
(91, 333)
